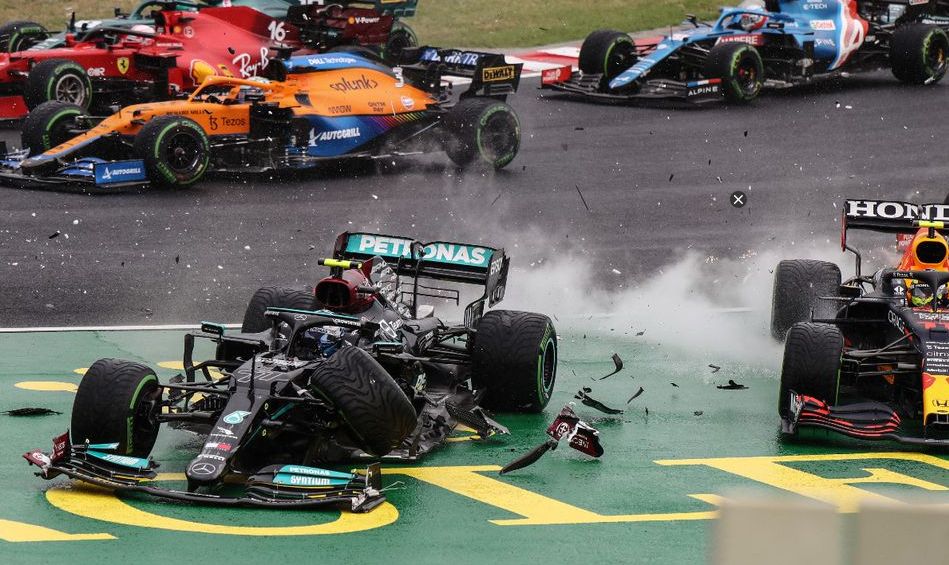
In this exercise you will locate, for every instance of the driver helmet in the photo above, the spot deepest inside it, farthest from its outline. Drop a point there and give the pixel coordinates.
(751, 22)
(919, 295)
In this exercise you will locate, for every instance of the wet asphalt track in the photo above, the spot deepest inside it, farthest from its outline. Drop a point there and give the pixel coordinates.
(657, 182)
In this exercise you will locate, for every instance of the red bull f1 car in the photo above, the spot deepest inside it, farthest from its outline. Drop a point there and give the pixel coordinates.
(764, 43)
(357, 370)
(869, 357)
(166, 48)
(319, 108)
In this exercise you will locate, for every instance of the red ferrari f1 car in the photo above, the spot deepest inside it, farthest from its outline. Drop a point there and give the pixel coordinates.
(175, 46)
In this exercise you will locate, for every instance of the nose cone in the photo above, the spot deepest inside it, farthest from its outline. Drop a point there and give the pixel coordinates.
(935, 399)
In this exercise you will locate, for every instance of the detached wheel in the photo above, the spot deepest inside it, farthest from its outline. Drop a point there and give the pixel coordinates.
(482, 131)
(514, 359)
(367, 398)
(21, 35)
(176, 151)
(57, 79)
(740, 67)
(798, 286)
(608, 52)
(401, 37)
(117, 401)
(49, 125)
(276, 297)
(918, 53)
(811, 363)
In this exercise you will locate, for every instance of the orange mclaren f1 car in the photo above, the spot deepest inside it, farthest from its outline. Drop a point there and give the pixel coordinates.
(314, 108)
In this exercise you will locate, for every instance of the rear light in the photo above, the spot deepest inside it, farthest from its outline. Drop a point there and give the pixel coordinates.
(553, 76)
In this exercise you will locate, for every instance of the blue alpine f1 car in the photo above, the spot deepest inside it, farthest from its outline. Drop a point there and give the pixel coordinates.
(764, 42)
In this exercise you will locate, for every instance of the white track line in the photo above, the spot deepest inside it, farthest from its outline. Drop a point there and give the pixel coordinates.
(52, 329)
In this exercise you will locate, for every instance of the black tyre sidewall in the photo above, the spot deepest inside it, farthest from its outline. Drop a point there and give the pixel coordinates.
(44, 127)
(108, 406)
(910, 47)
(274, 297)
(21, 35)
(371, 403)
(797, 285)
(467, 135)
(597, 50)
(151, 145)
(508, 360)
(45, 75)
(400, 38)
(811, 363)
(724, 62)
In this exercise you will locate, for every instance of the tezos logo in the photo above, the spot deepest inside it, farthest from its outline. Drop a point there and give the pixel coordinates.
(236, 417)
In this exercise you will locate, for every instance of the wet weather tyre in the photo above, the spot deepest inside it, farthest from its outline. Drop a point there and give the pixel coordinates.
(798, 285)
(49, 125)
(401, 37)
(371, 403)
(514, 358)
(740, 68)
(274, 297)
(57, 79)
(607, 52)
(482, 131)
(117, 401)
(175, 149)
(919, 53)
(21, 35)
(811, 363)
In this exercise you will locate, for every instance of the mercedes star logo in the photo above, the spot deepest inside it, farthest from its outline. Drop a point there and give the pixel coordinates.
(202, 469)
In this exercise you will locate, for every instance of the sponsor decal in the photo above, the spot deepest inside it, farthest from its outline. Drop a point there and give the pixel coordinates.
(334, 135)
(200, 469)
(815, 6)
(823, 25)
(342, 109)
(551, 76)
(236, 417)
(119, 171)
(408, 103)
(362, 20)
(224, 432)
(824, 42)
(210, 456)
(454, 253)
(121, 459)
(220, 446)
(896, 321)
(918, 2)
(96, 71)
(750, 39)
(497, 74)
(887, 210)
(377, 106)
(215, 122)
(247, 67)
(188, 32)
(331, 60)
(361, 83)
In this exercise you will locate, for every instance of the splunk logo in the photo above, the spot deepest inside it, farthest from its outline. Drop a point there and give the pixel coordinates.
(362, 83)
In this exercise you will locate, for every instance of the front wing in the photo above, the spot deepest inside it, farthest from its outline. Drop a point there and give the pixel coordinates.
(85, 175)
(588, 86)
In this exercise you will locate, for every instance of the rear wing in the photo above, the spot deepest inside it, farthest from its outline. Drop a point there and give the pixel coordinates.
(888, 216)
(490, 73)
(436, 260)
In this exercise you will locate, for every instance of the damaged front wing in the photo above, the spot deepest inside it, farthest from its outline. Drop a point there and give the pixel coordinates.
(275, 486)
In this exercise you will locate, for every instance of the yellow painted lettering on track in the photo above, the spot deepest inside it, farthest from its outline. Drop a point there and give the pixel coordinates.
(534, 509)
(101, 504)
(839, 492)
(21, 531)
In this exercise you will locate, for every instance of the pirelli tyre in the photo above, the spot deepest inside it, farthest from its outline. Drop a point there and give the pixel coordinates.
(117, 401)
(811, 363)
(175, 149)
(274, 297)
(607, 52)
(57, 79)
(514, 359)
(371, 403)
(740, 69)
(21, 35)
(401, 37)
(798, 286)
(482, 132)
(919, 53)
(49, 125)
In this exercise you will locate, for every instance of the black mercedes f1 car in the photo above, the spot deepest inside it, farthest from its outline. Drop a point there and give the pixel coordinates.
(869, 357)
(359, 370)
